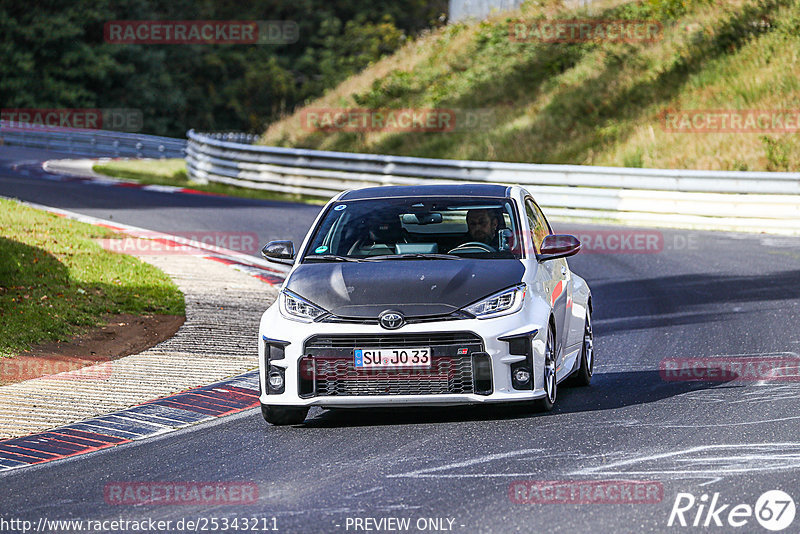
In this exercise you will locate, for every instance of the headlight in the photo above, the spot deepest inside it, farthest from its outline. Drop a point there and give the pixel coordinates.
(503, 303)
(298, 308)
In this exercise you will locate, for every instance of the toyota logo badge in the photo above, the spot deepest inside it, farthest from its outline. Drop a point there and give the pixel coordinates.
(391, 320)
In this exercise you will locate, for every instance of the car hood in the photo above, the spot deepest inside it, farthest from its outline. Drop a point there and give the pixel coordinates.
(416, 288)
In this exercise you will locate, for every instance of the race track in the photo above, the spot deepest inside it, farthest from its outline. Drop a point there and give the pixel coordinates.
(698, 295)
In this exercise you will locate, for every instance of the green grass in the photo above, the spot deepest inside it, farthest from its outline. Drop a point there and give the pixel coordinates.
(55, 280)
(597, 103)
(149, 171)
(173, 172)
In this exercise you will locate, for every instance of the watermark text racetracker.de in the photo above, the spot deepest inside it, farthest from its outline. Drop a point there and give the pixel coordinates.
(731, 121)
(584, 31)
(416, 120)
(21, 368)
(585, 492)
(203, 32)
(157, 245)
(779, 367)
(634, 241)
(180, 493)
(255, 523)
(117, 119)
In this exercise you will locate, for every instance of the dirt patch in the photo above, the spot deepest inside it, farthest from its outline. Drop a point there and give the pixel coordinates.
(122, 335)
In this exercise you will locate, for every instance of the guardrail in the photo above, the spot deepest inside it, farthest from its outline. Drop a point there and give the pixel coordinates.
(462, 10)
(93, 143)
(747, 201)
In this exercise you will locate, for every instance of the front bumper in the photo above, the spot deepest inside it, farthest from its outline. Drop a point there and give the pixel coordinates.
(492, 334)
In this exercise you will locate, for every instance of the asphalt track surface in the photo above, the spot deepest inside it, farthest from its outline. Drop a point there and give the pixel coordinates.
(700, 295)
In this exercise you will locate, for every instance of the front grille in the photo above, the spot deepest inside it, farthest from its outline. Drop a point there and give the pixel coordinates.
(328, 368)
(379, 341)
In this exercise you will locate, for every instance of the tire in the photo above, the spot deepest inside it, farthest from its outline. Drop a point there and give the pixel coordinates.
(283, 415)
(583, 376)
(546, 403)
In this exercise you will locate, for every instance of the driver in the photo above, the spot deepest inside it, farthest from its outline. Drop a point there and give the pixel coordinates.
(482, 226)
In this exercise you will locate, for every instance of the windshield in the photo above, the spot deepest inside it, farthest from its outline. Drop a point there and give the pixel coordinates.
(417, 228)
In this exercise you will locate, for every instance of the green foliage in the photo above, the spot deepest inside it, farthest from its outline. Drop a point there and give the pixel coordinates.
(397, 85)
(634, 159)
(55, 56)
(673, 9)
(777, 154)
(790, 26)
(341, 53)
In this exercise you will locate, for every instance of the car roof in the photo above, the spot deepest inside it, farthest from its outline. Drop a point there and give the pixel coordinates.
(435, 190)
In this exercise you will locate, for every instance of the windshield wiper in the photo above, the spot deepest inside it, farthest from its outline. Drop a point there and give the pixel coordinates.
(332, 257)
(414, 256)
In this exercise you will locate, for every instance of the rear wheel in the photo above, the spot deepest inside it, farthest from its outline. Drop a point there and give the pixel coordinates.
(284, 415)
(583, 376)
(546, 403)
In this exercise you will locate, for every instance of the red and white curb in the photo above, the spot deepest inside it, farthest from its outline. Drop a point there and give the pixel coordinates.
(152, 418)
(81, 170)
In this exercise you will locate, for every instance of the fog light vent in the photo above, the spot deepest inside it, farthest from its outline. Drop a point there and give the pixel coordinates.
(521, 345)
(306, 386)
(482, 373)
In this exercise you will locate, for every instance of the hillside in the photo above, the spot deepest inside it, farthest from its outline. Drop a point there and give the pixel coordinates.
(593, 103)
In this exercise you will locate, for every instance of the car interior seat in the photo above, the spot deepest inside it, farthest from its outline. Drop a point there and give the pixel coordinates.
(382, 238)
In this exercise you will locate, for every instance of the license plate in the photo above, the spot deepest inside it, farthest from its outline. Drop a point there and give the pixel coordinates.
(416, 357)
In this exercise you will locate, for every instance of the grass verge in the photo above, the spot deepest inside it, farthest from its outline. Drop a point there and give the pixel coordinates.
(173, 172)
(55, 280)
(594, 103)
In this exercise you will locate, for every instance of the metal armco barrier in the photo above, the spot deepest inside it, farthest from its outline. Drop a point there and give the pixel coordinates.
(463, 10)
(746, 201)
(92, 143)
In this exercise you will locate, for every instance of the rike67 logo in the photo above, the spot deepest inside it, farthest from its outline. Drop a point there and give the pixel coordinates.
(774, 510)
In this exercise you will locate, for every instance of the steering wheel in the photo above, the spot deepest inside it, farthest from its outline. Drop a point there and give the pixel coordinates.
(473, 244)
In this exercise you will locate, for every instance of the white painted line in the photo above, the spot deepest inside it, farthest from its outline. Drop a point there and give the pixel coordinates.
(430, 472)
(755, 457)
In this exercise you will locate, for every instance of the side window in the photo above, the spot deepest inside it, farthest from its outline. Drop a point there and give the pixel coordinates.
(542, 220)
(538, 224)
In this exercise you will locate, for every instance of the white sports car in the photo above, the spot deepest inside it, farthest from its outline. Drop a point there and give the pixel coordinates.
(424, 295)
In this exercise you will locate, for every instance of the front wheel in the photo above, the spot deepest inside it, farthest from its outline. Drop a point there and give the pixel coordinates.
(546, 403)
(284, 415)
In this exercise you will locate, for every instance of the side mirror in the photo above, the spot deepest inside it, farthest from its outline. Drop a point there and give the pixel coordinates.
(279, 252)
(558, 246)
